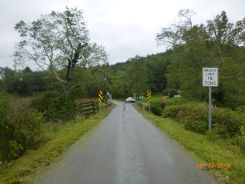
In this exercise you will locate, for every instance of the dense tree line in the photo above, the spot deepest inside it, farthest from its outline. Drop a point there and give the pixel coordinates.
(139, 74)
(218, 43)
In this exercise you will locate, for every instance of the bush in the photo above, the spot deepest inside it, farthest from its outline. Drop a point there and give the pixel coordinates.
(228, 119)
(171, 111)
(198, 126)
(55, 106)
(20, 131)
(156, 109)
(4, 109)
(175, 101)
(4, 106)
(194, 116)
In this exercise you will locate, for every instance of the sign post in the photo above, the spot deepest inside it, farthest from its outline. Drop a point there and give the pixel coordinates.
(210, 79)
(148, 97)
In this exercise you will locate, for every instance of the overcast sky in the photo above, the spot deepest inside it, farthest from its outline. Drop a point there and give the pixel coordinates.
(125, 27)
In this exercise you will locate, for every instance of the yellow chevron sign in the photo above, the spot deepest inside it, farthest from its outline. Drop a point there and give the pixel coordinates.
(100, 96)
(148, 96)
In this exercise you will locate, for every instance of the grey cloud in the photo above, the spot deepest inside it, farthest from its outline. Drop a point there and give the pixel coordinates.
(124, 31)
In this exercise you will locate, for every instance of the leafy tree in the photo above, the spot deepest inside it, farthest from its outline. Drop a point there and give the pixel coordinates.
(219, 43)
(56, 39)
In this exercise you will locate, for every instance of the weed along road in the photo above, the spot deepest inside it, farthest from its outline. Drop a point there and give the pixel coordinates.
(126, 149)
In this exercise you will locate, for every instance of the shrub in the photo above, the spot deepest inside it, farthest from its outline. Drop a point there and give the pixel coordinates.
(229, 119)
(196, 110)
(241, 108)
(4, 106)
(171, 111)
(194, 116)
(4, 109)
(156, 109)
(21, 131)
(175, 101)
(55, 106)
(198, 126)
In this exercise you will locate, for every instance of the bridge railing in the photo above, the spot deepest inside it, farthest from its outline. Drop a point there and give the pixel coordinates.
(86, 107)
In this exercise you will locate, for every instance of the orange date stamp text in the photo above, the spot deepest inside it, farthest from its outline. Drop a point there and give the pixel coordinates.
(214, 165)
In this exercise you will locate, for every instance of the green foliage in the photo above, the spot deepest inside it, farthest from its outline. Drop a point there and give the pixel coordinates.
(22, 132)
(228, 121)
(19, 130)
(51, 40)
(156, 109)
(23, 82)
(219, 43)
(139, 74)
(194, 116)
(4, 106)
(241, 139)
(4, 109)
(171, 111)
(175, 101)
(55, 106)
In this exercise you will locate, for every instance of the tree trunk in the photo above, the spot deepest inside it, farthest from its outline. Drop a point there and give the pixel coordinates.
(71, 68)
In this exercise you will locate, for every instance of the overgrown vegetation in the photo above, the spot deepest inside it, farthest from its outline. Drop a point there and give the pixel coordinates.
(193, 115)
(24, 169)
(205, 149)
(20, 130)
(55, 106)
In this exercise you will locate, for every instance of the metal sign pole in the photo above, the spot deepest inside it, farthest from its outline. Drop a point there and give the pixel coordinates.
(210, 109)
(210, 79)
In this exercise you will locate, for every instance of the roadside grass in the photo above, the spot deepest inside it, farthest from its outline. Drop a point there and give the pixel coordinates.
(25, 169)
(203, 149)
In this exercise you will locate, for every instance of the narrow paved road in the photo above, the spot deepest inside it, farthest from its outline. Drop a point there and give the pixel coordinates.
(126, 149)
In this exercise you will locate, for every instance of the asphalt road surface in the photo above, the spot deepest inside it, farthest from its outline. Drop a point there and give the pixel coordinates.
(126, 149)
